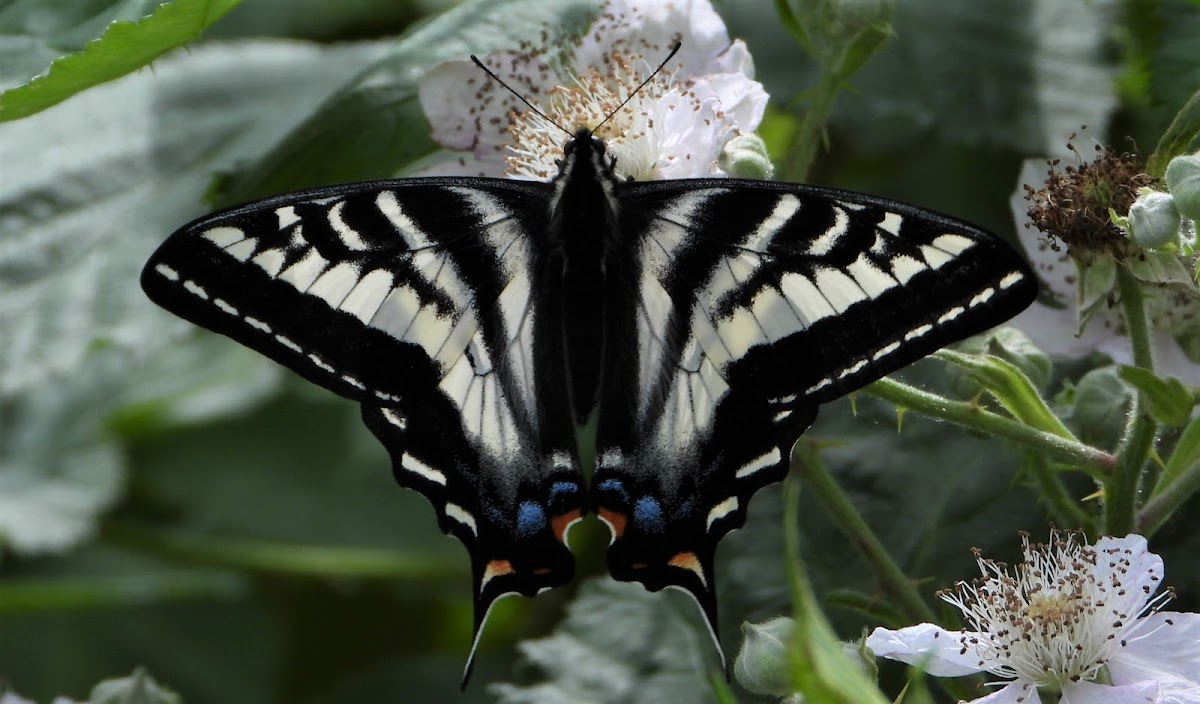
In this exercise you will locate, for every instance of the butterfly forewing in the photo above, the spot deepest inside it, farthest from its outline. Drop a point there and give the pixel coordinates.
(414, 298)
(755, 302)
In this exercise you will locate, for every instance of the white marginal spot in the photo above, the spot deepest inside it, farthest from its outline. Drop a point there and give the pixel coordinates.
(287, 216)
(840, 290)
(242, 251)
(905, 267)
(828, 239)
(769, 459)
(870, 278)
(364, 299)
(354, 382)
(286, 342)
(819, 385)
(225, 306)
(349, 235)
(195, 289)
(784, 399)
(389, 205)
(461, 515)
(721, 510)
(785, 208)
(781, 416)
(335, 284)
(848, 371)
(224, 236)
(851, 206)
(935, 257)
(321, 363)
(982, 297)
(886, 350)
(418, 467)
(303, 273)
(951, 314)
(917, 332)
(805, 297)
(386, 396)
(891, 223)
(953, 243)
(1011, 279)
(397, 419)
(167, 271)
(270, 260)
(258, 324)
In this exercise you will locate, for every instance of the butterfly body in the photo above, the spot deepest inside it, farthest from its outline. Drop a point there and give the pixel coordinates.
(480, 322)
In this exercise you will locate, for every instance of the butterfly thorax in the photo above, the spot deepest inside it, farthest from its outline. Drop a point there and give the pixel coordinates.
(584, 218)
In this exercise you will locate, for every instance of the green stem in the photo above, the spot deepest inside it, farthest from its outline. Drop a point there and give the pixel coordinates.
(1065, 508)
(810, 133)
(1158, 509)
(282, 558)
(1096, 462)
(1121, 488)
(892, 580)
(74, 593)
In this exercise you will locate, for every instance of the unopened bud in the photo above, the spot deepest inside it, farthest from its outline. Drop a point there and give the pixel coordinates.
(1154, 221)
(745, 156)
(1183, 180)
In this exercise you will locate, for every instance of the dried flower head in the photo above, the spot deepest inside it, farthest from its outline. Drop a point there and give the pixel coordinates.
(1073, 207)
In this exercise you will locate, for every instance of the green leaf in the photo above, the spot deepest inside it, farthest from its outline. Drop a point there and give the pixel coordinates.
(124, 47)
(1012, 388)
(619, 642)
(1168, 400)
(374, 127)
(1101, 402)
(1182, 137)
(1185, 454)
(1013, 346)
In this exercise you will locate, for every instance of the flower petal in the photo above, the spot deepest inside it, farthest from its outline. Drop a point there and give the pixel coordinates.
(1131, 564)
(642, 28)
(1091, 693)
(1165, 648)
(932, 648)
(1018, 692)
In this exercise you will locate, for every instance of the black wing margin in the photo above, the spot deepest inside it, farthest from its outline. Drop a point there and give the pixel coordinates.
(759, 301)
(413, 298)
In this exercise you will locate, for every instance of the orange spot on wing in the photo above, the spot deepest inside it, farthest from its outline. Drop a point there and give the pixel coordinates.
(559, 524)
(615, 521)
(497, 568)
(688, 561)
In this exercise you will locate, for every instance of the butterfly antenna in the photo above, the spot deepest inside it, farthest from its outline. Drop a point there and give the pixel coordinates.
(520, 97)
(674, 51)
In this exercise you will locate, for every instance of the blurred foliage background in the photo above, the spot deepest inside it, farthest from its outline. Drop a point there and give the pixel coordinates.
(171, 500)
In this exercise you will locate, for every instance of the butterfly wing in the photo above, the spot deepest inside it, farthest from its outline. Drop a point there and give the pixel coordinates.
(413, 298)
(755, 303)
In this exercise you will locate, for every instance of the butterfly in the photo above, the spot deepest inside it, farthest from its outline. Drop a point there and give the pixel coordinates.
(479, 322)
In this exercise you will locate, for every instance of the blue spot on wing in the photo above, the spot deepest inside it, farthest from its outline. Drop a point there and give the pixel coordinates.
(531, 519)
(648, 515)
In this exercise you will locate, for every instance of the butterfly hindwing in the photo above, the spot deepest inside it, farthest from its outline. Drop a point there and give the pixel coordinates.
(414, 298)
(756, 302)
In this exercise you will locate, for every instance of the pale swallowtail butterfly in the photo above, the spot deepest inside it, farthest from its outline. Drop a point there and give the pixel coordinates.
(480, 322)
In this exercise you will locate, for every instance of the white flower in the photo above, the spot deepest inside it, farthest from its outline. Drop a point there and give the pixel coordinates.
(1080, 620)
(675, 127)
(1171, 308)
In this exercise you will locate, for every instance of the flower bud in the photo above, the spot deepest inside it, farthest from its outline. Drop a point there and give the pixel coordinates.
(762, 665)
(1183, 180)
(745, 156)
(1153, 220)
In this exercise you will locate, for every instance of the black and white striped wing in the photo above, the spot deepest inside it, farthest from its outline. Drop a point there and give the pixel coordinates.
(414, 299)
(757, 302)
